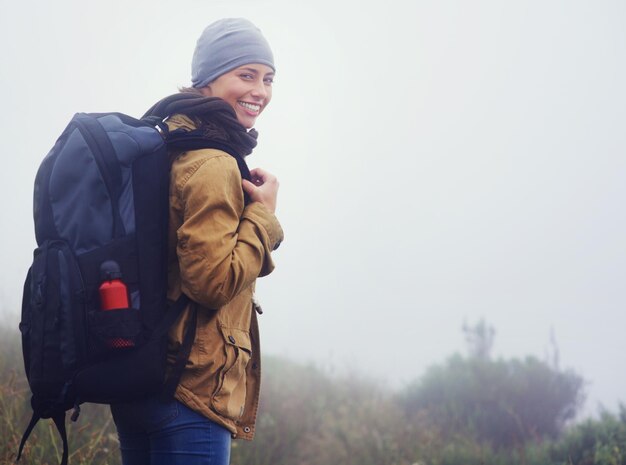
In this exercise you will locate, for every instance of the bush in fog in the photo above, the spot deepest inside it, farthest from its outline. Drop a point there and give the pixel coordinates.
(594, 442)
(503, 403)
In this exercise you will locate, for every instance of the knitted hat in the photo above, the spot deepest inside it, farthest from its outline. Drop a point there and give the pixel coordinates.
(225, 45)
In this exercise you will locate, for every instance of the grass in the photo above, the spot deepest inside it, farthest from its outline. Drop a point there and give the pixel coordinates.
(92, 439)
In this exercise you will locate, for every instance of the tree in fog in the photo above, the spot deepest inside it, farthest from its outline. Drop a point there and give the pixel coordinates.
(479, 339)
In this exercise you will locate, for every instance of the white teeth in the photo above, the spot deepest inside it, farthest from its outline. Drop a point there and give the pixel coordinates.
(250, 106)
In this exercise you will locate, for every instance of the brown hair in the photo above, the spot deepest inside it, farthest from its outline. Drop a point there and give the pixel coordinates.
(190, 90)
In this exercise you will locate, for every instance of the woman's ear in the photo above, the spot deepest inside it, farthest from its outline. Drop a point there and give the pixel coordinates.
(206, 91)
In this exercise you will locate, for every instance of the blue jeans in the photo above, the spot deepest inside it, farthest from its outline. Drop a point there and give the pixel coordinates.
(152, 432)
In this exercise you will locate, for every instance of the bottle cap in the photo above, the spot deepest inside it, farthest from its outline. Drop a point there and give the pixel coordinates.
(110, 270)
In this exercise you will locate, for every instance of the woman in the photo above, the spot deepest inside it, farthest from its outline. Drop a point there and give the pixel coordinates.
(222, 233)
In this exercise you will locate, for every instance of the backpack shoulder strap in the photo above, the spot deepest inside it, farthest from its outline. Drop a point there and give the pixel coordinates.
(59, 421)
(172, 314)
(103, 151)
(173, 379)
(29, 429)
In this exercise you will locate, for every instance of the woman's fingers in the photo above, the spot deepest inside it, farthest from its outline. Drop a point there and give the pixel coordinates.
(260, 176)
(263, 188)
(248, 187)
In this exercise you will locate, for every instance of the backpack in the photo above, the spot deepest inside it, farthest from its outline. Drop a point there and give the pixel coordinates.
(101, 225)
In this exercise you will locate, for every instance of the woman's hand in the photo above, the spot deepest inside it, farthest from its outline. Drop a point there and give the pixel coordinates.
(263, 188)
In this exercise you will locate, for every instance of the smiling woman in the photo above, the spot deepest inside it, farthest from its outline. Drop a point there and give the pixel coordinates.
(222, 230)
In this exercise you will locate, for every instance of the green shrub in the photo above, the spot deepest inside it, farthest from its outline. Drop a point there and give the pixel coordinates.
(595, 442)
(504, 403)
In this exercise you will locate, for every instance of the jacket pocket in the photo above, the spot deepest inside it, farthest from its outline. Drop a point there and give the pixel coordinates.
(230, 395)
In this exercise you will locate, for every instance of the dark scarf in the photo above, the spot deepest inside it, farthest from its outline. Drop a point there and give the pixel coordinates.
(217, 121)
(217, 127)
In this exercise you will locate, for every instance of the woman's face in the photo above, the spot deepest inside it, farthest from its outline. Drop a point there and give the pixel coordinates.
(248, 89)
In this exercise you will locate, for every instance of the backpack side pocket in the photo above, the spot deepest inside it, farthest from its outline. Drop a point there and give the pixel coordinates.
(53, 325)
(113, 330)
(25, 321)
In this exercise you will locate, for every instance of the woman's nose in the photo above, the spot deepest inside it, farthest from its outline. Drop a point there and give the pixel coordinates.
(259, 90)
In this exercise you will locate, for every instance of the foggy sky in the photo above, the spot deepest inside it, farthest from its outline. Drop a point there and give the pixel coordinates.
(440, 162)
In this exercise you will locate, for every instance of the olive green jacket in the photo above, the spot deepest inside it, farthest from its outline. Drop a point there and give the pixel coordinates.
(217, 249)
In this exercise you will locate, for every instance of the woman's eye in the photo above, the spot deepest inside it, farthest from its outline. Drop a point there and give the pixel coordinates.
(246, 76)
(269, 81)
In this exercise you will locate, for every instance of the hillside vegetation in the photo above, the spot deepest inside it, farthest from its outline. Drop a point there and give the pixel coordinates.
(469, 410)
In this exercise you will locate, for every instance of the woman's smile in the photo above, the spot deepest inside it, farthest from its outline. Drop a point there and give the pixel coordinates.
(252, 108)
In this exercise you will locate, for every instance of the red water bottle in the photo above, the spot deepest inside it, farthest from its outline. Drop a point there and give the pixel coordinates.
(113, 296)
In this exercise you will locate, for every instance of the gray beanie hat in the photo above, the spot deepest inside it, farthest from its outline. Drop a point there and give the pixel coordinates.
(225, 45)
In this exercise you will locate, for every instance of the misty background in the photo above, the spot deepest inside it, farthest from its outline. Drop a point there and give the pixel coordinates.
(440, 162)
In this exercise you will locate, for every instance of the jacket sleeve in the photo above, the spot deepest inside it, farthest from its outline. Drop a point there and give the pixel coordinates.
(222, 246)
